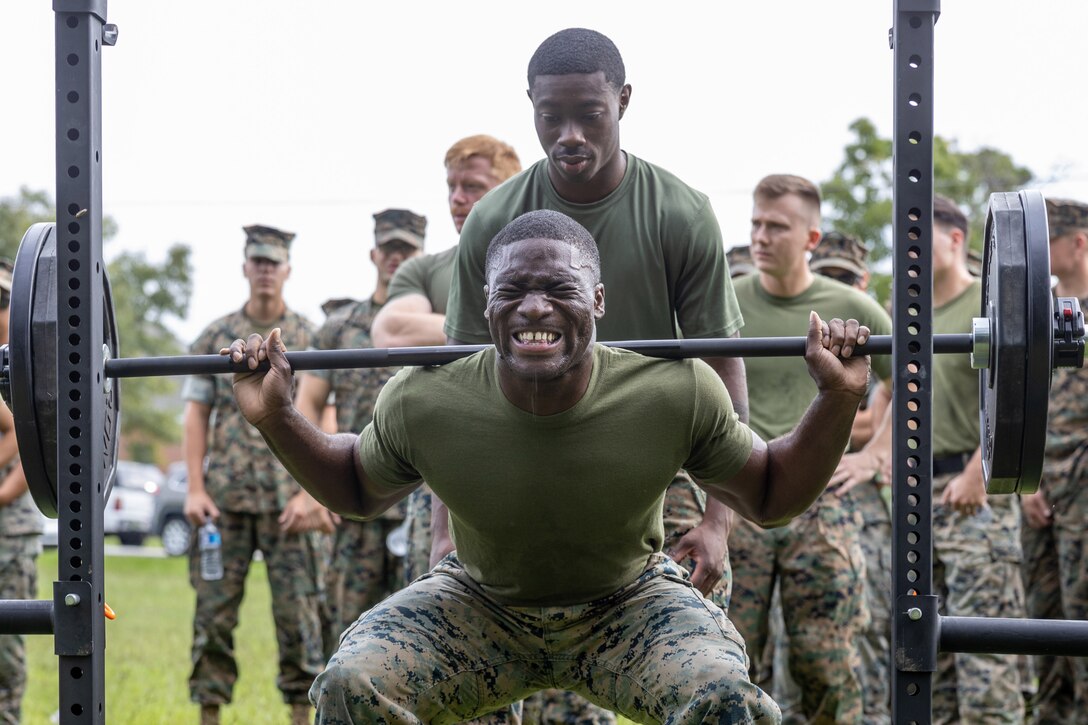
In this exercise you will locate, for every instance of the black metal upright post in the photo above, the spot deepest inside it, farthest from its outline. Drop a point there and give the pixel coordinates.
(78, 593)
(915, 624)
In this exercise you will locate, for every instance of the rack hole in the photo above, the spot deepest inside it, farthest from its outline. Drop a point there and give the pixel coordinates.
(73, 171)
(913, 443)
(914, 61)
(912, 575)
(913, 310)
(912, 367)
(73, 59)
(76, 562)
(75, 451)
(73, 302)
(75, 469)
(912, 687)
(912, 557)
(73, 283)
(914, 99)
(72, 22)
(73, 134)
(74, 358)
(912, 537)
(75, 431)
(912, 499)
(912, 423)
(912, 519)
(74, 395)
(914, 252)
(75, 414)
(76, 542)
(913, 461)
(74, 376)
(912, 481)
(77, 709)
(914, 290)
(914, 214)
(914, 271)
(73, 339)
(73, 246)
(73, 320)
(75, 524)
(914, 233)
(914, 347)
(915, 22)
(75, 488)
(913, 328)
(75, 578)
(75, 507)
(73, 97)
(914, 138)
(914, 176)
(77, 672)
(73, 264)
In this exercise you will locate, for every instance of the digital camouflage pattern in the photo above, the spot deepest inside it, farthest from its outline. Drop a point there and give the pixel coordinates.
(18, 580)
(976, 573)
(875, 643)
(242, 474)
(361, 571)
(250, 488)
(818, 563)
(291, 564)
(1065, 216)
(268, 243)
(417, 561)
(840, 251)
(442, 651)
(1055, 574)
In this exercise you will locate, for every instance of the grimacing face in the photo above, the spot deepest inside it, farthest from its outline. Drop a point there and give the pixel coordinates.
(542, 308)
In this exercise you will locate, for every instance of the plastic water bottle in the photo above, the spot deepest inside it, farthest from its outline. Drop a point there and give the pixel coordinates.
(211, 553)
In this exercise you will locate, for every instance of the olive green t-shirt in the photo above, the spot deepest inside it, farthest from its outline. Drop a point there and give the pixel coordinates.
(780, 388)
(662, 260)
(559, 509)
(429, 276)
(955, 382)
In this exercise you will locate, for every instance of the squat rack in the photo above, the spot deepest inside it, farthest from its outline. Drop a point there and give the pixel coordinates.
(75, 615)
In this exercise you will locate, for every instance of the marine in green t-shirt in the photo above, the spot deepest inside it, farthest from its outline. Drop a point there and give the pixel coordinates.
(526, 441)
(664, 260)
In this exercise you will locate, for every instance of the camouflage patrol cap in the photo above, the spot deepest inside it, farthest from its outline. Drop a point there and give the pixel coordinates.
(1065, 216)
(399, 224)
(268, 243)
(840, 250)
(740, 261)
(332, 305)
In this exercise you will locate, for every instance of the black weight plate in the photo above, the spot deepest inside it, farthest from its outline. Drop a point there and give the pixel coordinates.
(33, 367)
(1017, 301)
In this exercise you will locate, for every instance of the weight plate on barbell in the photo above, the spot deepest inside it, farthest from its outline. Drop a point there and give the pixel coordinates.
(1014, 389)
(32, 374)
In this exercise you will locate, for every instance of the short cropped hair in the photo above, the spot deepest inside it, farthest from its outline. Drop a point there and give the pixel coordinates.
(546, 224)
(504, 160)
(947, 214)
(776, 186)
(578, 50)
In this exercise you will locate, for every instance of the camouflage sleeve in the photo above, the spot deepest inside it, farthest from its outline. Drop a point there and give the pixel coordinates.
(201, 388)
(720, 442)
(706, 305)
(326, 338)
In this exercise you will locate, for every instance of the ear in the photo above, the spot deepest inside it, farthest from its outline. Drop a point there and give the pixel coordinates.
(625, 98)
(1080, 240)
(374, 256)
(814, 237)
(287, 271)
(598, 301)
(487, 293)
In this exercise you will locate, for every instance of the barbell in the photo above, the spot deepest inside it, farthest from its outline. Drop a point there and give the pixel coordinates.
(1020, 337)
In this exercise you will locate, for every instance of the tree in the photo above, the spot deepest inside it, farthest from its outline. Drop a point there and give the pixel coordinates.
(146, 296)
(858, 197)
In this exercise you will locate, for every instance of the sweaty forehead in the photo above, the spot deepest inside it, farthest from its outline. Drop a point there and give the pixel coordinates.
(536, 255)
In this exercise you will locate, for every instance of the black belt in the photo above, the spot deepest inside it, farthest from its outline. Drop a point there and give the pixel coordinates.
(950, 464)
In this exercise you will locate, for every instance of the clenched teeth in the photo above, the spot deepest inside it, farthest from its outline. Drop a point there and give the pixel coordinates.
(536, 336)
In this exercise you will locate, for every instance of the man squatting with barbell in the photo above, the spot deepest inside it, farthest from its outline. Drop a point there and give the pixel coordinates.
(555, 432)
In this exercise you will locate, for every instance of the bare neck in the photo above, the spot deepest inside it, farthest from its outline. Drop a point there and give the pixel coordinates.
(262, 309)
(789, 285)
(950, 284)
(1074, 284)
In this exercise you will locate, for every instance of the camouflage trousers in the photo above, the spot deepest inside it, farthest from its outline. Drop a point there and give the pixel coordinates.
(1056, 581)
(1041, 570)
(976, 573)
(818, 565)
(443, 651)
(684, 505)
(361, 573)
(292, 566)
(18, 580)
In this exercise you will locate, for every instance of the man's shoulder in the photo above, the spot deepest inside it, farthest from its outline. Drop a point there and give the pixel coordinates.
(222, 326)
(670, 188)
(518, 194)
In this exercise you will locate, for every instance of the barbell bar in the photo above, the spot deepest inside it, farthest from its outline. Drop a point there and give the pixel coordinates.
(1020, 337)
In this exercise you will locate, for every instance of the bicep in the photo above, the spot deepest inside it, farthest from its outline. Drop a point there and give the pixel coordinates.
(408, 304)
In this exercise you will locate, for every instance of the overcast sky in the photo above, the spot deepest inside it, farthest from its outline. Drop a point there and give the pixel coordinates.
(313, 116)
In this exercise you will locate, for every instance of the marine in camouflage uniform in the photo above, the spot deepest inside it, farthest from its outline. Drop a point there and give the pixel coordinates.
(816, 561)
(362, 570)
(976, 537)
(250, 489)
(1056, 517)
(20, 543)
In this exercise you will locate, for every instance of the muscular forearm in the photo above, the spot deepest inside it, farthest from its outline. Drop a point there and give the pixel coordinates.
(325, 465)
(196, 444)
(800, 463)
(398, 329)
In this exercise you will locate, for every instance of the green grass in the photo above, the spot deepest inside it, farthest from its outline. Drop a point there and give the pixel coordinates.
(147, 648)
